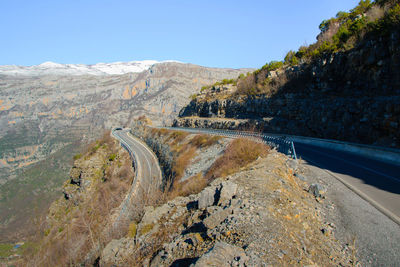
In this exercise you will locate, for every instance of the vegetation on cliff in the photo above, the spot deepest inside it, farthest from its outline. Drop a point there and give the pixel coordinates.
(78, 223)
(343, 87)
(342, 33)
(81, 223)
(224, 158)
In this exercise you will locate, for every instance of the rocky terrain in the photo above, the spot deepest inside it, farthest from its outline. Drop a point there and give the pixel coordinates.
(351, 94)
(260, 216)
(262, 213)
(47, 111)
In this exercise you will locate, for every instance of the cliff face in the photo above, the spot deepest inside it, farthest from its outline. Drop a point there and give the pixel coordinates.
(81, 221)
(46, 113)
(352, 96)
(44, 117)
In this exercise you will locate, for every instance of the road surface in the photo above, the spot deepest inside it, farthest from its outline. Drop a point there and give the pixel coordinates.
(378, 181)
(148, 172)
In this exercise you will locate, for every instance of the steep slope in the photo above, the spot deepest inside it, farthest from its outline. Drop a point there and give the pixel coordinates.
(345, 86)
(229, 202)
(46, 114)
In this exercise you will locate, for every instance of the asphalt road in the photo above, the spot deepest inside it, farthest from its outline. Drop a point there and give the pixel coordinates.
(378, 181)
(148, 171)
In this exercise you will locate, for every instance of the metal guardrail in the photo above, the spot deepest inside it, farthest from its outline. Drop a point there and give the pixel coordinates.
(280, 144)
(130, 152)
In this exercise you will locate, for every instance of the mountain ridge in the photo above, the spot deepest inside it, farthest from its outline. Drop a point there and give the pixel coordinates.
(98, 69)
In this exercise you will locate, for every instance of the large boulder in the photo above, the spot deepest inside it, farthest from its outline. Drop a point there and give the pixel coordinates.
(317, 190)
(228, 190)
(207, 197)
(115, 250)
(216, 217)
(223, 254)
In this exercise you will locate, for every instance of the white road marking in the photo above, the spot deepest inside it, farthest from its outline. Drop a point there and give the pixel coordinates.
(355, 164)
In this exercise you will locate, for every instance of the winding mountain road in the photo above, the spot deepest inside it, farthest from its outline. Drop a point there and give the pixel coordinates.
(148, 172)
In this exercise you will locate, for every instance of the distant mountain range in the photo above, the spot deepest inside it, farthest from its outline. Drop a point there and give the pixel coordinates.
(51, 68)
(46, 109)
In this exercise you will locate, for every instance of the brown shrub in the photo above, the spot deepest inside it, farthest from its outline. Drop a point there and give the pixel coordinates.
(79, 226)
(187, 152)
(204, 140)
(177, 137)
(193, 185)
(239, 153)
(246, 84)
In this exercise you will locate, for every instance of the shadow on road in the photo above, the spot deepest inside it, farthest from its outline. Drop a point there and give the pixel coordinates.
(375, 173)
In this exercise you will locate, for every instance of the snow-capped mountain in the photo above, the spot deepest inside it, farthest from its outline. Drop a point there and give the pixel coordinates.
(100, 69)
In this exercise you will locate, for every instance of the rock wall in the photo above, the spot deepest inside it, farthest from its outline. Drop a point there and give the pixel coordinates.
(352, 96)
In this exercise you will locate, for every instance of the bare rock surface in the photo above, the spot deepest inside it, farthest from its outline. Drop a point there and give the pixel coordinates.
(223, 254)
(261, 216)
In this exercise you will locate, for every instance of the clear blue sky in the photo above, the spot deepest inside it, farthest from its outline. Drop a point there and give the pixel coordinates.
(219, 33)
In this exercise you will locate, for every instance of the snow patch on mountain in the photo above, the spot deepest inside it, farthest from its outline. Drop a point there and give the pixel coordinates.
(51, 68)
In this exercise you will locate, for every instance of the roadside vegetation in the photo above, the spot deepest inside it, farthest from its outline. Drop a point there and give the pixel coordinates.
(239, 153)
(78, 225)
(338, 34)
(185, 147)
(77, 222)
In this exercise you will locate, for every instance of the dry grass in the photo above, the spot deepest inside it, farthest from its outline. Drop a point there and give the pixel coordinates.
(159, 132)
(77, 226)
(239, 153)
(193, 185)
(204, 140)
(187, 153)
(132, 230)
(177, 137)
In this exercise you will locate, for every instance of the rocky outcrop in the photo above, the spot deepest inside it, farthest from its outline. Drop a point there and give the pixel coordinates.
(365, 120)
(223, 254)
(351, 96)
(261, 215)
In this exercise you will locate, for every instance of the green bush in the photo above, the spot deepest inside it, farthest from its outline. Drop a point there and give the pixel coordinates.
(112, 157)
(327, 47)
(193, 97)
(291, 59)
(77, 156)
(273, 65)
(225, 81)
(203, 88)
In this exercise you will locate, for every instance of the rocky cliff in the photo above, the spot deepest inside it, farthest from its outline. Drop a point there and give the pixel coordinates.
(350, 95)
